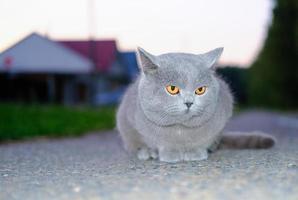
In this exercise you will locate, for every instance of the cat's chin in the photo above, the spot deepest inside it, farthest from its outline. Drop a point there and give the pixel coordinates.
(189, 120)
(194, 119)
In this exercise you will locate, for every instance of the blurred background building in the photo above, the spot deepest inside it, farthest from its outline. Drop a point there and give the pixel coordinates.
(38, 69)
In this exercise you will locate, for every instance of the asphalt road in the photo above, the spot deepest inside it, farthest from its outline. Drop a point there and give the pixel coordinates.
(96, 167)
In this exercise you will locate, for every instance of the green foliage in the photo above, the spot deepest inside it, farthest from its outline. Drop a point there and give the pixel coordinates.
(28, 121)
(274, 75)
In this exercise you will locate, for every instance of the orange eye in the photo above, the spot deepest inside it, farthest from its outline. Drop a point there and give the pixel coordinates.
(200, 90)
(172, 89)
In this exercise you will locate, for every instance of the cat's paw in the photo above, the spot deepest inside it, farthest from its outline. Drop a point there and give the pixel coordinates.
(197, 155)
(153, 153)
(170, 156)
(147, 153)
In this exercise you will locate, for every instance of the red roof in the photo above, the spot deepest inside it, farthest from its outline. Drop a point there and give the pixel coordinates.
(102, 53)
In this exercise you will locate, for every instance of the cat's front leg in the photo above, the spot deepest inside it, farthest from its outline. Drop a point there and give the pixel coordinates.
(195, 155)
(170, 155)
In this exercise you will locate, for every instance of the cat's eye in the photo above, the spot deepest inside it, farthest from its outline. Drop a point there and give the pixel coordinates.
(200, 90)
(172, 89)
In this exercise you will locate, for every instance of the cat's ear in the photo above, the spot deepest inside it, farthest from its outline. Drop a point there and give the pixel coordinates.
(213, 56)
(148, 61)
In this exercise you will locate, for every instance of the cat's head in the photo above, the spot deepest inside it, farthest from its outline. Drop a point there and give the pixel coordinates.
(178, 88)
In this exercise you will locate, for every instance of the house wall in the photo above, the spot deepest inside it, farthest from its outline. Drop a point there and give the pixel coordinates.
(44, 88)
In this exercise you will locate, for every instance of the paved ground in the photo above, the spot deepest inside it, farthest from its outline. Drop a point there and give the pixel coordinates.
(96, 167)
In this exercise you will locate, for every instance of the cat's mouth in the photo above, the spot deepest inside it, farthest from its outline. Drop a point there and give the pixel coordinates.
(183, 113)
(189, 114)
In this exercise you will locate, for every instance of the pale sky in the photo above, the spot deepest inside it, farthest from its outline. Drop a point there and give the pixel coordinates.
(159, 26)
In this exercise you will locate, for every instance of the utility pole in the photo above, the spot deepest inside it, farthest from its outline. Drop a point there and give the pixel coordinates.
(92, 32)
(91, 19)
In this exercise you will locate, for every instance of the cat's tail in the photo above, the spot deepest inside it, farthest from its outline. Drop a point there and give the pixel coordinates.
(246, 140)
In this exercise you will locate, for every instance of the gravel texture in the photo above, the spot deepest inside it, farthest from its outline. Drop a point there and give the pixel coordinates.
(96, 167)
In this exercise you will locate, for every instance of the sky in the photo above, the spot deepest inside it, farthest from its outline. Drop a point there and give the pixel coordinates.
(159, 26)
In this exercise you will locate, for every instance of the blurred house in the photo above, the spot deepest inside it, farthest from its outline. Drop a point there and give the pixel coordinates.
(37, 69)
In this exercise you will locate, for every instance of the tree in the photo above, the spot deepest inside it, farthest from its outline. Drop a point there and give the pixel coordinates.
(273, 78)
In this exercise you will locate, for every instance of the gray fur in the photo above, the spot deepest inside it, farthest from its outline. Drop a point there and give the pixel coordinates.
(155, 124)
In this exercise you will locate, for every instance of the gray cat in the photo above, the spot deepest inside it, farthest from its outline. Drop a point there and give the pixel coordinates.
(177, 108)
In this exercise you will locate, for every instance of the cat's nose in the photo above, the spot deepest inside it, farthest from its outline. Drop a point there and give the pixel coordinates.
(188, 104)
